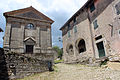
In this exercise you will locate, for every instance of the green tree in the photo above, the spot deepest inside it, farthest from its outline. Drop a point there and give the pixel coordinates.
(59, 51)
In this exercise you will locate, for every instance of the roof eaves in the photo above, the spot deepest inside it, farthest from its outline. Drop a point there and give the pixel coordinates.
(10, 13)
(85, 5)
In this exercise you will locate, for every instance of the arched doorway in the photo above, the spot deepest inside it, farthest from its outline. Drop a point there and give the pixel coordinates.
(81, 46)
(69, 49)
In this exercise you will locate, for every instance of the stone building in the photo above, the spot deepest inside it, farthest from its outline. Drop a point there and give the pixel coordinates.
(93, 31)
(27, 43)
(27, 31)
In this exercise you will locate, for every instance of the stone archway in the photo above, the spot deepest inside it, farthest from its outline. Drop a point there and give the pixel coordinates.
(80, 45)
(69, 49)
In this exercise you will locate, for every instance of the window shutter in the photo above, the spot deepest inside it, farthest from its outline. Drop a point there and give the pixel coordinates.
(92, 7)
(75, 29)
(68, 33)
(117, 6)
(95, 24)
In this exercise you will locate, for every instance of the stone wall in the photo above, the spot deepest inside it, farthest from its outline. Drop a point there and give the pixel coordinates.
(3, 67)
(21, 65)
(83, 32)
(17, 33)
(108, 29)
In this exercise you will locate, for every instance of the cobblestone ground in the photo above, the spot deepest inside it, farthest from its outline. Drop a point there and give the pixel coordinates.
(77, 72)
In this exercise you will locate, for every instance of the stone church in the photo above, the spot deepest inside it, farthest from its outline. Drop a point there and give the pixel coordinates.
(92, 32)
(27, 44)
(27, 31)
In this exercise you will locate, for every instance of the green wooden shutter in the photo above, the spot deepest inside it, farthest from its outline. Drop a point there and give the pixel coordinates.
(68, 33)
(95, 24)
(117, 6)
(92, 7)
(75, 29)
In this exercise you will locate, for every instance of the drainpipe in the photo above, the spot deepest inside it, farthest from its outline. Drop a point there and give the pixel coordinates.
(91, 32)
(111, 29)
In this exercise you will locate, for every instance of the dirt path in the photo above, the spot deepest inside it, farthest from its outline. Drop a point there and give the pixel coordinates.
(77, 72)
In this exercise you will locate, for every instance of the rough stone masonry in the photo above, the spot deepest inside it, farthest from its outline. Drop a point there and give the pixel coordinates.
(93, 32)
(27, 43)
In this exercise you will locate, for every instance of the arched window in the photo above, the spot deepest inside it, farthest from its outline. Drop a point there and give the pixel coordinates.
(30, 26)
(70, 49)
(81, 46)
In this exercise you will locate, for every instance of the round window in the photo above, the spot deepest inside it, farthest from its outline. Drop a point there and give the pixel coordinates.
(30, 26)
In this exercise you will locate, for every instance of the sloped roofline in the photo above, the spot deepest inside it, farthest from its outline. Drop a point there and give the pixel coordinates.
(80, 10)
(14, 12)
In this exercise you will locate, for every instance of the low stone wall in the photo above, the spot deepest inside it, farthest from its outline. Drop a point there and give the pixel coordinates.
(3, 66)
(21, 65)
(82, 58)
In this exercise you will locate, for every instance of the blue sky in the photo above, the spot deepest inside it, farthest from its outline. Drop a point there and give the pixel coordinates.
(58, 10)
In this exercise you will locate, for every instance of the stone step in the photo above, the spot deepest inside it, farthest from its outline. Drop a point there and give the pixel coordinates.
(114, 65)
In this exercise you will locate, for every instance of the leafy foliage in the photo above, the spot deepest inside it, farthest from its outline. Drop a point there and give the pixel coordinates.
(59, 51)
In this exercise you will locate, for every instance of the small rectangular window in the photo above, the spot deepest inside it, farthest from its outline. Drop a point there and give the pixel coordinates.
(68, 26)
(92, 7)
(99, 37)
(74, 19)
(95, 24)
(117, 6)
(68, 33)
(119, 32)
(75, 29)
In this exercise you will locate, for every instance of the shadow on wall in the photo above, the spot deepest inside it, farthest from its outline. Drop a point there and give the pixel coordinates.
(3, 66)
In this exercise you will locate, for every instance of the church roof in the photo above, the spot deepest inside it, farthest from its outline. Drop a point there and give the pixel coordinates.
(28, 12)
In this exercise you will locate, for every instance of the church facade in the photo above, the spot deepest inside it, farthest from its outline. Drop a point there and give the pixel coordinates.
(92, 32)
(27, 31)
(27, 43)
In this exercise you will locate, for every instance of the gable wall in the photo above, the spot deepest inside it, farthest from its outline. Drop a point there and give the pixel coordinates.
(18, 33)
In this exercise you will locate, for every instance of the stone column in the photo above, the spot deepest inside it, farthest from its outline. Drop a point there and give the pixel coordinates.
(21, 39)
(37, 47)
(76, 54)
(49, 40)
(37, 37)
(6, 44)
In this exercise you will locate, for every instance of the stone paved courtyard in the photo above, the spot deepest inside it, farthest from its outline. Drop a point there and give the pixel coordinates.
(77, 72)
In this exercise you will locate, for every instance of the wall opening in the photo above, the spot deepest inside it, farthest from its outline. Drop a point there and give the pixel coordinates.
(81, 46)
(29, 48)
(70, 49)
(29, 45)
(101, 49)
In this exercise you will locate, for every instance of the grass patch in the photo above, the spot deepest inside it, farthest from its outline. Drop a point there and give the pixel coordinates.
(55, 68)
(58, 61)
